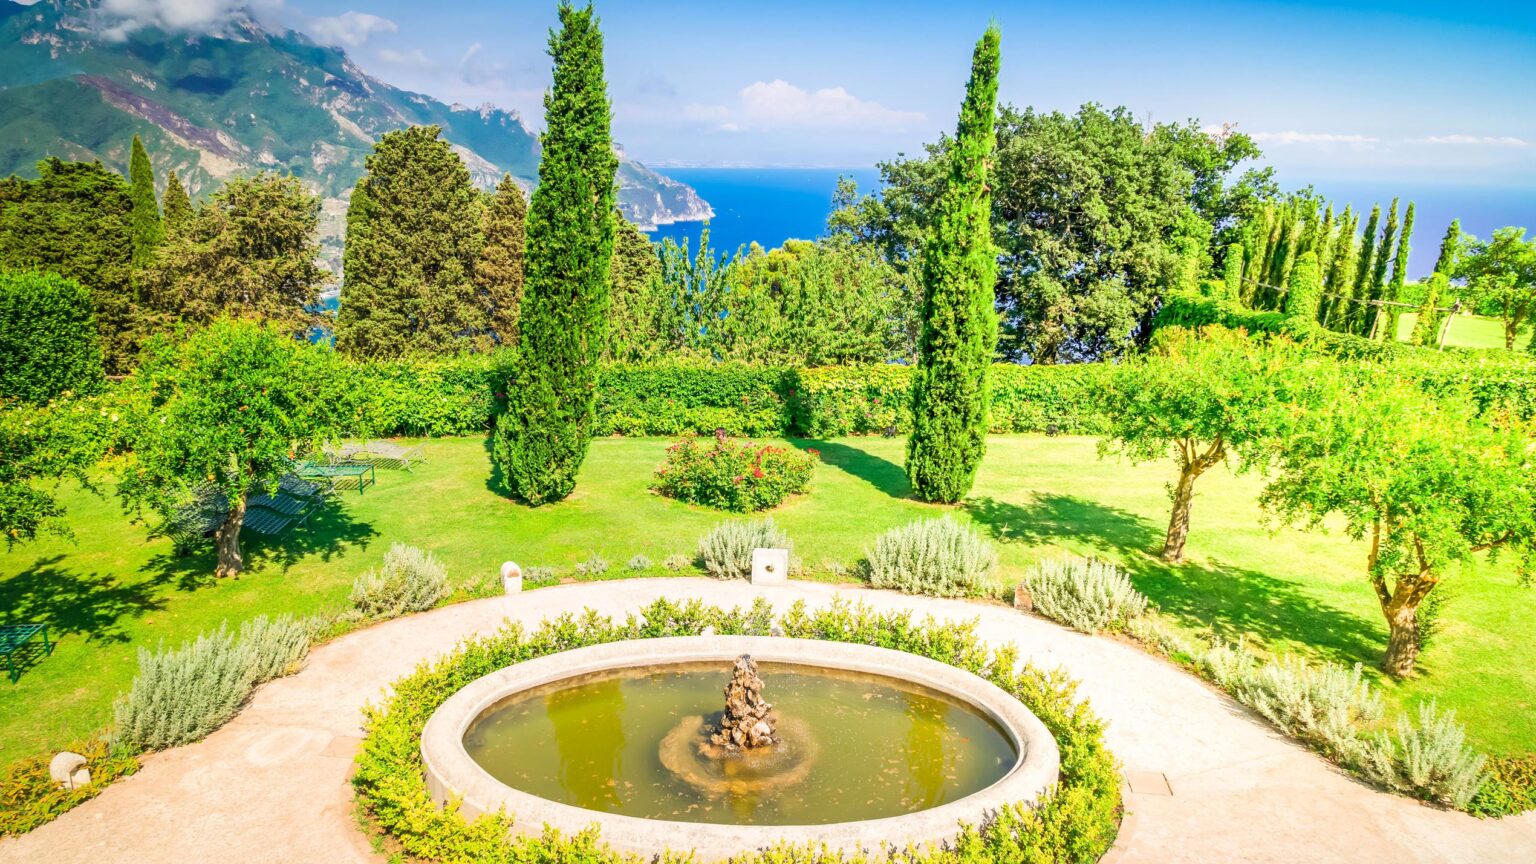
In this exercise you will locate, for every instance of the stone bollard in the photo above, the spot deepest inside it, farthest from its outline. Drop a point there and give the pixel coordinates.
(68, 770)
(511, 577)
(770, 566)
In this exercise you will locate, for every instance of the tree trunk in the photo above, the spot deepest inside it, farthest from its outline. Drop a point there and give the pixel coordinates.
(1403, 644)
(1511, 330)
(227, 540)
(1178, 523)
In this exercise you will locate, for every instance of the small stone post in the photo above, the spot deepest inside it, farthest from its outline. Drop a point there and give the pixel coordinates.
(511, 577)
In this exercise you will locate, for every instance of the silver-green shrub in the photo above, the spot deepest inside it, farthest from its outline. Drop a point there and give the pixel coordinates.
(1327, 704)
(597, 565)
(410, 580)
(1084, 594)
(726, 551)
(182, 694)
(276, 646)
(1429, 759)
(677, 561)
(939, 557)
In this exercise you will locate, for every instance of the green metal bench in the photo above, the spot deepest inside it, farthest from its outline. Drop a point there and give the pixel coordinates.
(14, 636)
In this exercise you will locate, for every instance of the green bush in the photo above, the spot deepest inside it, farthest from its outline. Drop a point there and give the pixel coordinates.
(182, 694)
(48, 339)
(1075, 821)
(739, 476)
(726, 551)
(409, 581)
(939, 557)
(29, 797)
(678, 397)
(431, 397)
(1509, 788)
(1084, 594)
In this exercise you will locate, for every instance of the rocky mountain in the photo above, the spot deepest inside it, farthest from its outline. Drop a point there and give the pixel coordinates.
(214, 105)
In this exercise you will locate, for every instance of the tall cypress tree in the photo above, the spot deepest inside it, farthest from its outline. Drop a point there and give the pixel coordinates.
(413, 235)
(499, 272)
(144, 221)
(1399, 276)
(949, 389)
(1379, 271)
(1356, 313)
(542, 438)
(1306, 290)
(1232, 271)
(1449, 246)
(178, 207)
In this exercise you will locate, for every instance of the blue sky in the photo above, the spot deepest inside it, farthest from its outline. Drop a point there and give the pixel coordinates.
(1359, 90)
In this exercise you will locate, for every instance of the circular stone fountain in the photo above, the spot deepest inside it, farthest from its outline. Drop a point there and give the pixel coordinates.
(819, 742)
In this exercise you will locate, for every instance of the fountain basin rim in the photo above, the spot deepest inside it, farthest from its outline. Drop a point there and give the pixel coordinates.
(452, 773)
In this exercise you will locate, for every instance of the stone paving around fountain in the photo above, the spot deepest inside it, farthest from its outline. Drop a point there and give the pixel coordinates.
(272, 785)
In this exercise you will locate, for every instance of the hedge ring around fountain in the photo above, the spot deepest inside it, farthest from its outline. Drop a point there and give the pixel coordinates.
(852, 746)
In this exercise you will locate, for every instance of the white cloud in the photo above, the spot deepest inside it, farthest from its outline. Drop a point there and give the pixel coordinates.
(779, 104)
(414, 58)
(349, 29)
(1475, 140)
(118, 18)
(1314, 138)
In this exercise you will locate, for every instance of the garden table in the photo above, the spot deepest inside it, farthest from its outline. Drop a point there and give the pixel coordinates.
(362, 472)
(13, 636)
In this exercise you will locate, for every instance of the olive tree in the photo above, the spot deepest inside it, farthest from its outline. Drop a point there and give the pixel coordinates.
(1200, 397)
(1426, 481)
(226, 411)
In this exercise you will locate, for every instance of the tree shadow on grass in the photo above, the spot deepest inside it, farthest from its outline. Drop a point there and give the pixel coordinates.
(1223, 599)
(330, 531)
(70, 602)
(495, 481)
(884, 475)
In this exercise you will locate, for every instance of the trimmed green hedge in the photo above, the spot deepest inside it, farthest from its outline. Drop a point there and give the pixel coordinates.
(430, 398)
(1075, 822)
(48, 340)
(679, 397)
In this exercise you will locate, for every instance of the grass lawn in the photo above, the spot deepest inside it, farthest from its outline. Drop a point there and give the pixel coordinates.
(112, 591)
(1467, 331)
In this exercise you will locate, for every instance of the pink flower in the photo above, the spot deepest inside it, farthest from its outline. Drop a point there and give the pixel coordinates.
(737, 479)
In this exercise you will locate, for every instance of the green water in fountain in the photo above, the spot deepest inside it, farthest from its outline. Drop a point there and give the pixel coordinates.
(880, 747)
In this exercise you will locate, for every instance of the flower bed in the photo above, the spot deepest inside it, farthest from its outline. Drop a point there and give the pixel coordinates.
(1076, 821)
(728, 474)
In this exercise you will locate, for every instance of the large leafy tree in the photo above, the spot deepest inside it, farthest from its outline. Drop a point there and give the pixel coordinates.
(48, 339)
(250, 252)
(74, 220)
(542, 438)
(1501, 278)
(40, 449)
(959, 335)
(500, 267)
(224, 412)
(413, 236)
(1425, 480)
(145, 219)
(1202, 397)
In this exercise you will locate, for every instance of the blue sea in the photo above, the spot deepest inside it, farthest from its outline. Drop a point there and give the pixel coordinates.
(771, 205)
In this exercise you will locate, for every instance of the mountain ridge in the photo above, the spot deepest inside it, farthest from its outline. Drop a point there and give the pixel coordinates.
(211, 106)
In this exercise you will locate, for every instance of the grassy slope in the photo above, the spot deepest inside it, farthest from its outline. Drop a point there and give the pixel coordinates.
(113, 591)
(1467, 331)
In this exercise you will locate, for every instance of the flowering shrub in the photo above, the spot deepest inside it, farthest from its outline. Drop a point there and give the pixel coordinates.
(727, 474)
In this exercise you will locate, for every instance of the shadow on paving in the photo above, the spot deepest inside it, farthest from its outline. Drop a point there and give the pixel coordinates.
(329, 532)
(883, 474)
(1224, 599)
(74, 603)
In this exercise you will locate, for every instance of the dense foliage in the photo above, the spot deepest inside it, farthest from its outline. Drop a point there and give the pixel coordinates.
(48, 339)
(959, 335)
(73, 220)
(413, 236)
(1500, 276)
(728, 474)
(249, 252)
(542, 438)
(144, 220)
(41, 448)
(29, 797)
(1076, 821)
(228, 409)
(499, 269)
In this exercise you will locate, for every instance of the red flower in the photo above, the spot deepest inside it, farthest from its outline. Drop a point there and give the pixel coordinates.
(758, 473)
(737, 479)
(812, 451)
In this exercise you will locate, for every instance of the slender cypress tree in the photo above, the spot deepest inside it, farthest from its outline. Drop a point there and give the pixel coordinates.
(1232, 271)
(413, 235)
(542, 438)
(499, 270)
(1324, 243)
(949, 389)
(178, 207)
(1399, 276)
(144, 221)
(1449, 246)
(1356, 313)
(1306, 289)
(1426, 331)
(1379, 271)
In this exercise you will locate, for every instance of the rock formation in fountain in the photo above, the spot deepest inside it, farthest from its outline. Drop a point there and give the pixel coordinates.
(748, 722)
